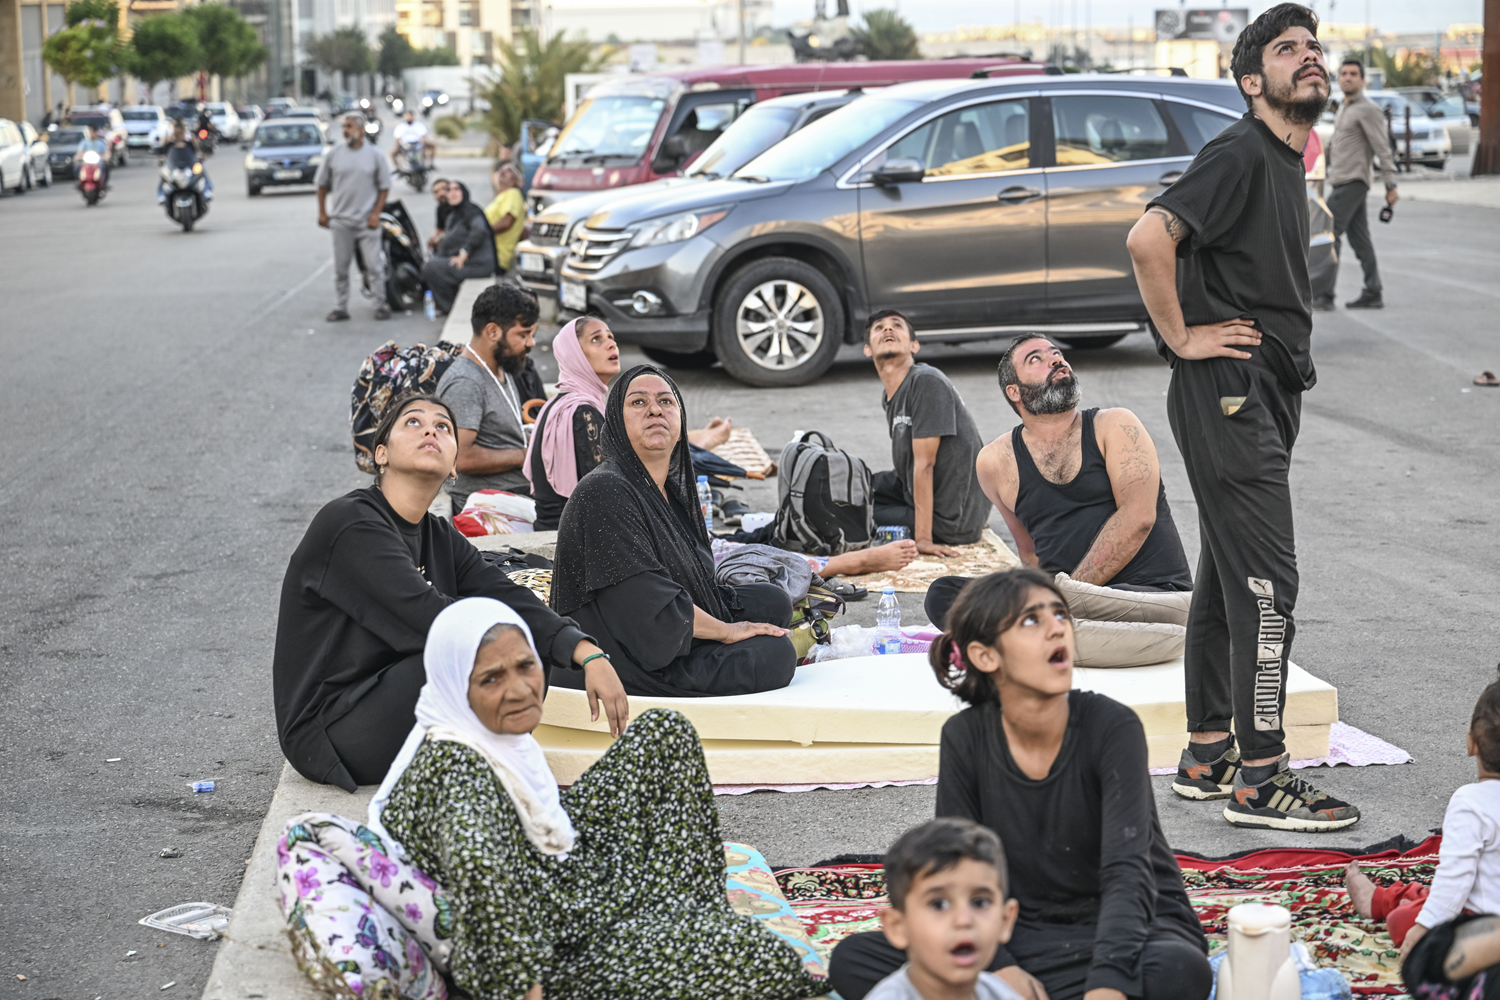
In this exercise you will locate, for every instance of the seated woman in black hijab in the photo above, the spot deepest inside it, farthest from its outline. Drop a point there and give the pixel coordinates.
(467, 249)
(360, 593)
(635, 570)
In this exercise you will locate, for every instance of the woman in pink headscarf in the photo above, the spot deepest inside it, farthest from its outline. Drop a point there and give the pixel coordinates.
(566, 444)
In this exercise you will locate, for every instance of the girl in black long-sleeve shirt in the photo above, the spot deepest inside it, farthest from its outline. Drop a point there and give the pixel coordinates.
(1062, 777)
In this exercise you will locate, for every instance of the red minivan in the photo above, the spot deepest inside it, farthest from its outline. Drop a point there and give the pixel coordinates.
(641, 128)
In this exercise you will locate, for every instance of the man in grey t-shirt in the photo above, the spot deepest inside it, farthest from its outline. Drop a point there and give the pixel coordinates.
(482, 389)
(353, 181)
(934, 489)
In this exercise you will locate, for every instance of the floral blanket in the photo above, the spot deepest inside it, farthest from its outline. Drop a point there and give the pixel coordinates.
(837, 901)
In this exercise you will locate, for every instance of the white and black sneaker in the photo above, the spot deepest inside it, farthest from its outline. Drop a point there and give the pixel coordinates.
(1286, 802)
(1204, 780)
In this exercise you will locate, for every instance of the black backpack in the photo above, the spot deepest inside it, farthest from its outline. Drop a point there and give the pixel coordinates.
(385, 375)
(827, 505)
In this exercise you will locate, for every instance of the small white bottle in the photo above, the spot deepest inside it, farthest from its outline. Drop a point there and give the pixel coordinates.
(706, 503)
(888, 623)
(429, 307)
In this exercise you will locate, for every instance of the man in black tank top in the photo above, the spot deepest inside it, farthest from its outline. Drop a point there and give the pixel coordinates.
(1221, 261)
(1082, 494)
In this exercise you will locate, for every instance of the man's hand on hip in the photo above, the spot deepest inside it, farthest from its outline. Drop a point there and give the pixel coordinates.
(1216, 340)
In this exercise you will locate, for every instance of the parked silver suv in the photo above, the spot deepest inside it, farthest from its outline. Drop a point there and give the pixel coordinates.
(980, 208)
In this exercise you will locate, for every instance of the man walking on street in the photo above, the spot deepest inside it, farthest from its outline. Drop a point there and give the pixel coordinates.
(359, 179)
(1359, 136)
(1238, 341)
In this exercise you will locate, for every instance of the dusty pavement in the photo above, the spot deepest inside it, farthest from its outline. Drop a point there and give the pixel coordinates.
(176, 411)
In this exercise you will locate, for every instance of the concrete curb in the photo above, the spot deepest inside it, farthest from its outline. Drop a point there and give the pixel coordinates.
(255, 958)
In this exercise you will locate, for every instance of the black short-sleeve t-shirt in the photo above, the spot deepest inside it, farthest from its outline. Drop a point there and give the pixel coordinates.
(1244, 199)
(927, 405)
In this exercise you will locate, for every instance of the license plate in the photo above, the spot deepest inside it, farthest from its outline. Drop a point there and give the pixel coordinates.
(288, 175)
(573, 295)
(533, 262)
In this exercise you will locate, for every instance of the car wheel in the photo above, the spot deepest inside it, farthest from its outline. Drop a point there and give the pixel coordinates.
(253, 190)
(25, 184)
(1092, 343)
(693, 361)
(777, 322)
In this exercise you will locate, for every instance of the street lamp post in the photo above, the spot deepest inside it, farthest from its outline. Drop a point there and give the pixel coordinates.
(1487, 150)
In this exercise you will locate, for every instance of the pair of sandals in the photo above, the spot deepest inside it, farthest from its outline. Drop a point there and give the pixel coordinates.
(1487, 379)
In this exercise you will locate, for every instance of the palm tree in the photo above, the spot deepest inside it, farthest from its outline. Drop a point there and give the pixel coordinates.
(886, 35)
(532, 81)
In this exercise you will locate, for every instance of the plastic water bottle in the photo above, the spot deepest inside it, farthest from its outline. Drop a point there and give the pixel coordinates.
(888, 623)
(428, 306)
(706, 503)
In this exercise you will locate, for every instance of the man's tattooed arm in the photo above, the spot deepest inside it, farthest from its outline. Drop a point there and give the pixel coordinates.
(1176, 228)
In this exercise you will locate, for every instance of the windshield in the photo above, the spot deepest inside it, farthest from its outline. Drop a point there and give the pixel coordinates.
(1448, 106)
(619, 125)
(1395, 102)
(97, 122)
(813, 150)
(756, 131)
(287, 135)
(140, 116)
(66, 137)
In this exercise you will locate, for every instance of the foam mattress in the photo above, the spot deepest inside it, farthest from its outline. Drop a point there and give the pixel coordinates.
(894, 700)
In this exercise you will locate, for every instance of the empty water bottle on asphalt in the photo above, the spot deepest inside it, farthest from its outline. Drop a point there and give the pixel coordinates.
(428, 306)
(706, 503)
(888, 623)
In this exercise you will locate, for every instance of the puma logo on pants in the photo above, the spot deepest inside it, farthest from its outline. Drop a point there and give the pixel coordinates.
(1268, 656)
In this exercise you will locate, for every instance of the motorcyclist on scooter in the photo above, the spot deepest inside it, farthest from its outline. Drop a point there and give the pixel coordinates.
(409, 131)
(180, 153)
(206, 124)
(93, 144)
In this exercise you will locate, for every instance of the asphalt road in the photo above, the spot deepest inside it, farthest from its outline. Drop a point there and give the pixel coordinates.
(177, 411)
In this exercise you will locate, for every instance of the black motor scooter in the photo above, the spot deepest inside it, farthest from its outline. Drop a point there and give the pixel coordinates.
(403, 260)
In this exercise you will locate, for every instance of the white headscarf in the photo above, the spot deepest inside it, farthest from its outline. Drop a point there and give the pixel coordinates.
(443, 713)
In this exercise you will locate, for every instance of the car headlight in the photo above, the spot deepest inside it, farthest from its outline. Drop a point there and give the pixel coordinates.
(676, 228)
(256, 163)
(315, 160)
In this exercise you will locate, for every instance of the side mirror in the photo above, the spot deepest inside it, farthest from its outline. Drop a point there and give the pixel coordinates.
(904, 170)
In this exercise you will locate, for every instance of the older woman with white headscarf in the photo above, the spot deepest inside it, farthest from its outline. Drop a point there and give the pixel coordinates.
(612, 888)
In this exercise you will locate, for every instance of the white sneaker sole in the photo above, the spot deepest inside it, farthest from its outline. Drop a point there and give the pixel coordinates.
(1202, 795)
(1287, 822)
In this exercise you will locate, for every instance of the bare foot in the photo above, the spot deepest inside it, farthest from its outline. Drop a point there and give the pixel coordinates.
(715, 434)
(877, 559)
(1360, 888)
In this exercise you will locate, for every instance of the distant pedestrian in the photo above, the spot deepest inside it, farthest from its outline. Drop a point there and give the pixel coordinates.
(359, 179)
(1239, 342)
(1360, 135)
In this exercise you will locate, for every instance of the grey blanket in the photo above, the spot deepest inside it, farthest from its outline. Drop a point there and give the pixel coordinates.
(765, 564)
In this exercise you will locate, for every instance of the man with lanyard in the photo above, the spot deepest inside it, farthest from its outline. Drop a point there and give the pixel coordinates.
(409, 131)
(1238, 340)
(483, 390)
(1360, 135)
(359, 179)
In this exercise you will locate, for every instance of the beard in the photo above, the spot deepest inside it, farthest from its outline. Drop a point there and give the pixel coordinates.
(513, 364)
(1051, 396)
(1297, 111)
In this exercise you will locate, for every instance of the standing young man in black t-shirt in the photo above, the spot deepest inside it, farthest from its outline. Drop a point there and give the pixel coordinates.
(934, 489)
(1221, 260)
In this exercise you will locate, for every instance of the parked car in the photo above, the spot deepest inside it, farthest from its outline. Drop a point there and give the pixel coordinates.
(1447, 110)
(980, 208)
(38, 154)
(285, 151)
(316, 114)
(277, 107)
(62, 146)
(1430, 144)
(642, 128)
(146, 126)
(15, 163)
(250, 119)
(109, 124)
(225, 120)
(541, 254)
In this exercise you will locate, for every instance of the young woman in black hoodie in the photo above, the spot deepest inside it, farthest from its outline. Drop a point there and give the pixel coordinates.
(1061, 776)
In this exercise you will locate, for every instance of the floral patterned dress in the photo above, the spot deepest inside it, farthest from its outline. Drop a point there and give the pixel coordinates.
(637, 910)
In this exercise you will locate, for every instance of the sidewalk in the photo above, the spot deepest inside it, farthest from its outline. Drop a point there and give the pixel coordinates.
(1451, 189)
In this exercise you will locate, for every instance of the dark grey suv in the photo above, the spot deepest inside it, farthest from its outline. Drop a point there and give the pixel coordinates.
(979, 208)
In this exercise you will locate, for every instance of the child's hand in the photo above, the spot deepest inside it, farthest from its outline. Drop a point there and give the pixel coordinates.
(1023, 983)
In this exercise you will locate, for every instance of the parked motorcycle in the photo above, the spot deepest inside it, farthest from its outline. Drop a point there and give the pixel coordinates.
(185, 185)
(90, 171)
(403, 260)
(412, 165)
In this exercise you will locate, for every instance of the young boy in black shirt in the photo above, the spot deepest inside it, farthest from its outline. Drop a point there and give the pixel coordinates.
(1221, 261)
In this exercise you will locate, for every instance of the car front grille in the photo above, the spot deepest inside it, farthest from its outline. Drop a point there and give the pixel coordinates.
(548, 234)
(592, 248)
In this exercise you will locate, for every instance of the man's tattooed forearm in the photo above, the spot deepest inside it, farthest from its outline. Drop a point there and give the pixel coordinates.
(1176, 228)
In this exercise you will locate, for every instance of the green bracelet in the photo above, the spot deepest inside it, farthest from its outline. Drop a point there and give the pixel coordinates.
(596, 656)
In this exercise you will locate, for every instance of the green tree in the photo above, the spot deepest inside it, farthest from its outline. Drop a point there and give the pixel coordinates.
(440, 55)
(395, 54)
(886, 35)
(531, 81)
(1418, 69)
(87, 51)
(164, 47)
(342, 51)
(229, 45)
